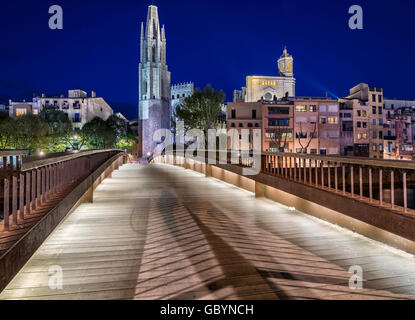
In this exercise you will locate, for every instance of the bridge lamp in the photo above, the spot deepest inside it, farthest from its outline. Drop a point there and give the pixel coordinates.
(292, 209)
(148, 154)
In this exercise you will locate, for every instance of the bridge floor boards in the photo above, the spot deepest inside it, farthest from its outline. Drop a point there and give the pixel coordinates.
(162, 232)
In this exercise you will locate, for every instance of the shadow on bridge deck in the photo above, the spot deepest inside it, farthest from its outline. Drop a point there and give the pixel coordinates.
(160, 232)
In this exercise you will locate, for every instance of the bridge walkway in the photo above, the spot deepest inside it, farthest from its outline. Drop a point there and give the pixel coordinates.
(162, 232)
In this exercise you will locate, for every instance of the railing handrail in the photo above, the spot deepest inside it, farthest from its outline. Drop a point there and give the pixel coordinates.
(45, 162)
(385, 163)
(13, 152)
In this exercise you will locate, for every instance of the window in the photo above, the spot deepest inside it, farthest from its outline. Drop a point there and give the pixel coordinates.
(373, 110)
(253, 114)
(35, 112)
(381, 147)
(374, 122)
(20, 112)
(301, 135)
(313, 135)
(380, 111)
(380, 121)
(364, 113)
(323, 108)
(279, 122)
(172, 97)
(313, 151)
(250, 125)
(313, 108)
(373, 97)
(359, 113)
(333, 120)
(364, 135)
(300, 109)
(379, 98)
(278, 110)
(233, 116)
(364, 124)
(256, 125)
(359, 136)
(241, 125)
(333, 108)
(380, 134)
(374, 147)
(375, 135)
(323, 120)
(233, 125)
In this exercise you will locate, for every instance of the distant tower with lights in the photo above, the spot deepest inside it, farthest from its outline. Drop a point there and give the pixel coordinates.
(154, 82)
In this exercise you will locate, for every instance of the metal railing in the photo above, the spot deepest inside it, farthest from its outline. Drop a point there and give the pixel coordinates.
(28, 187)
(359, 178)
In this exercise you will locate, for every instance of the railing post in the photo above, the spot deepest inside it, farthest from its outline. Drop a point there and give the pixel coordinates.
(352, 180)
(329, 174)
(305, 170)
(322, 173)
(38, 186)
(21, 196)
(295, 168)
(361, 181)
(28, 208)
(336, 180)
(405, 193)
(14, 200)
(381, 186)
(6, 208)
(344, 179)
(370, 185)
(392, 189)
(300, 166)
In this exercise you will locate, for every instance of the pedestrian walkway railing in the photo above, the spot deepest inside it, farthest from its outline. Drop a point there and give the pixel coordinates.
(382, 182)
(31, 181)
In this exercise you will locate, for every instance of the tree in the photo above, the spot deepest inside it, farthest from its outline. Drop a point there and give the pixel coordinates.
(125, 137)
(7, 133)
(300, 135)
(30, 133)
(279, 138)
(201, 110)
(97, 134)
(61, 135)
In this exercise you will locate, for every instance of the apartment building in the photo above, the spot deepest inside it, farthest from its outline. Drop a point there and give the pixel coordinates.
(278, 126)
(242, 115)
(372, 99)
(79, 108)
(316, 125)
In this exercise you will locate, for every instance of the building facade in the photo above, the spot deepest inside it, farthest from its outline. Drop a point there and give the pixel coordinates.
(372, 98)
(79, 108)
(270, 88)
(179, 92)
(154, 82)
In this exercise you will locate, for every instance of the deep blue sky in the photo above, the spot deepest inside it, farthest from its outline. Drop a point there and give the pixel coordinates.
(218, 42)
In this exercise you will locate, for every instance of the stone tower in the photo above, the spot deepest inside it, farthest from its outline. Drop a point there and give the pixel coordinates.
(154, 82)
(286, 65)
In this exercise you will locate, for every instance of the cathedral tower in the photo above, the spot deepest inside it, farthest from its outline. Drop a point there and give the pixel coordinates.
(154, 82)
(286, 64)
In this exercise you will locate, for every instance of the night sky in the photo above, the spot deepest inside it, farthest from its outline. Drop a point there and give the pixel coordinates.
(217, 42)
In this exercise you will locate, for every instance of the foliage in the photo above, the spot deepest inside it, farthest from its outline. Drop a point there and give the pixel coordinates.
(30, 132)
(61, 135)
(98, 134)
(201, 110)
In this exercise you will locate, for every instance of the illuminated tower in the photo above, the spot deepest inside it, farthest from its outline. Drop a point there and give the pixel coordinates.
(154, 81)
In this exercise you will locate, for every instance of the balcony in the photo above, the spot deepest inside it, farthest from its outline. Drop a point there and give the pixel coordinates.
(389, 138)
(76, 120)
(77, 106)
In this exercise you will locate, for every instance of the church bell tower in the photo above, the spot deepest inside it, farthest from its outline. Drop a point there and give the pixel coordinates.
(154, 82)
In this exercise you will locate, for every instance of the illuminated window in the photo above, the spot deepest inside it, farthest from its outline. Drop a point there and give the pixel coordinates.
(359, 136)
(365, 136)
(35, 112)
(20, 112)
(313, 108)
(288, 67)
(332, 120)
(300, 109)
(323, 120)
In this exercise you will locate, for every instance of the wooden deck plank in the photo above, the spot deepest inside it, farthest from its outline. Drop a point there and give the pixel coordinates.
(162, 232)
